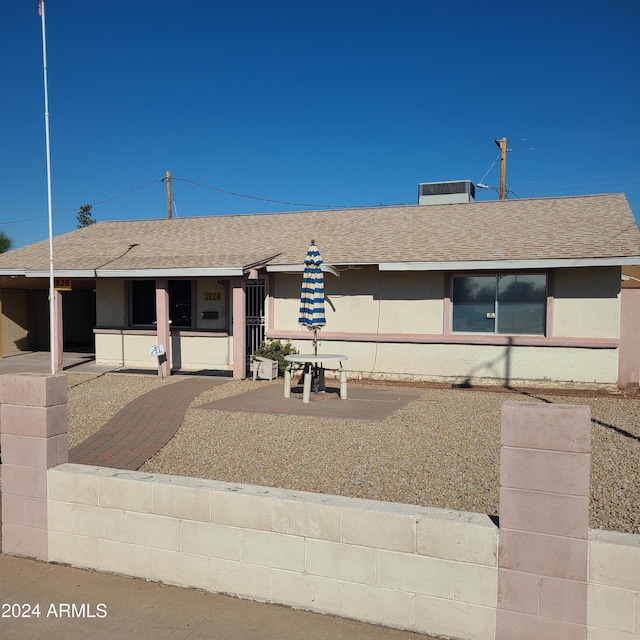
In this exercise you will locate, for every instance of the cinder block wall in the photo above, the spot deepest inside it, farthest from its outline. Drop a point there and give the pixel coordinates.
(428, 570)
(34, 438)
(613, 611)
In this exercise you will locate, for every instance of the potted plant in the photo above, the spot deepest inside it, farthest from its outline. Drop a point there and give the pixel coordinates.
(276, 350)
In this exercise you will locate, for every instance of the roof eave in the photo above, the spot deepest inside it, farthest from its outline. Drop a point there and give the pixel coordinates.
(216, 272)
(299, 268)
(482, 265)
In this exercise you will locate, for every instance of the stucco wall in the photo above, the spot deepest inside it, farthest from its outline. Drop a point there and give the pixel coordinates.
(189, 352)
(457, 362)
(366, 300)
(395, 304)
(110, 303)
(587, 302)
(15, 321)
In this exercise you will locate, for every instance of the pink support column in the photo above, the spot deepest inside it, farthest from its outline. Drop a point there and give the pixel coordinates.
(239, 323)
(34, 421)
(57, 297)
(629, 349)
(544, 522)
(163, 327)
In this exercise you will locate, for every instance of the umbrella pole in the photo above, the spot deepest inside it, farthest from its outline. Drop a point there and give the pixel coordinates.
(315, 342)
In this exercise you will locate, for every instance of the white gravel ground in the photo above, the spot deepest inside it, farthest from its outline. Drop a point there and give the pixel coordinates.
(441, 450)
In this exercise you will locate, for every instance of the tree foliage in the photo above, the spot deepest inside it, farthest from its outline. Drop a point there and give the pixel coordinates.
(5, 242)
(85, 219)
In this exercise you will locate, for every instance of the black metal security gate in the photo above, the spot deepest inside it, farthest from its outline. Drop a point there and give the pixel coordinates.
(255, 291)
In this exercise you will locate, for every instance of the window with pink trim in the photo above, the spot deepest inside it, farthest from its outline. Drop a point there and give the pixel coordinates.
(505, 304)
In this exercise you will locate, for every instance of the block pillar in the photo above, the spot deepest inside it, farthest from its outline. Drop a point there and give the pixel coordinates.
(59, 331)
(629, 349)
(163, 327)
(544, 522)
(239, 328)
(34, 419)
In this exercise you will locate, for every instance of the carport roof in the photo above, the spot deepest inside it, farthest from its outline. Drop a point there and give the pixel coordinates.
(534, 233)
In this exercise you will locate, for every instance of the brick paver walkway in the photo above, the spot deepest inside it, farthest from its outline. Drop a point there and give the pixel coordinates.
(142, 427)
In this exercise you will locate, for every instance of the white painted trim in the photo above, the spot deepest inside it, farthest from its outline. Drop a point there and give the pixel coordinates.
(299, 268)
(13, 272)
(141, 273)
(484, 265)
(62, 273)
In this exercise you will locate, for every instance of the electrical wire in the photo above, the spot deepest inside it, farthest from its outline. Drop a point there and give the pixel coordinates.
(244, 195)
(95, 204)
(481, 181)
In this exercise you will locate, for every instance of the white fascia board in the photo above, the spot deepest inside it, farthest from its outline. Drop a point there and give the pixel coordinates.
(62, 273)
(299, 268)
(483, 265)
(138, 273)
(169, 273)
(13, 272)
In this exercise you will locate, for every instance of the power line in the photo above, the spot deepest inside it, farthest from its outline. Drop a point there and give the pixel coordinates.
(580, 140)
(95, 204)
(243, 195)
(197, 184)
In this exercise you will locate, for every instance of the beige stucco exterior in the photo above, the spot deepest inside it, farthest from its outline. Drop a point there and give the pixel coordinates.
(388, 323)
(129, 349)
(366, 300)
(394, 324)
(459, 363)
(587, 302)
(111, 309)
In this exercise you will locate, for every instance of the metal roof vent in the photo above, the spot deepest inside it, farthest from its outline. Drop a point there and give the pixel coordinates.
(446, 192)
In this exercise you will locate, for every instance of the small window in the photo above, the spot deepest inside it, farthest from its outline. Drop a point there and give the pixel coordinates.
(503, 304)
(143, 302)
(180, 303)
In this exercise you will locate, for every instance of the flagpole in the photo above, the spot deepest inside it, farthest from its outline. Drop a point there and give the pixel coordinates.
(52, 302)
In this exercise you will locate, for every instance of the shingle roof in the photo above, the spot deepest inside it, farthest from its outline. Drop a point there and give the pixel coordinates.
(600, 226)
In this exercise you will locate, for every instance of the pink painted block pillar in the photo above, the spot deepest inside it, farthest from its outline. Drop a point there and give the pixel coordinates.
(239, 324)
(163, 327)
(544, 522)
(59, 331)
(34, 438)
(629, 350)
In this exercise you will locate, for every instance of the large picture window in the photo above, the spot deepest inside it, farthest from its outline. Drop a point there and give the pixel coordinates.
(503, 303)
(143, 303)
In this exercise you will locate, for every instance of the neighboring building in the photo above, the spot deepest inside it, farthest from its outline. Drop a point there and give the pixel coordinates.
(509, 291)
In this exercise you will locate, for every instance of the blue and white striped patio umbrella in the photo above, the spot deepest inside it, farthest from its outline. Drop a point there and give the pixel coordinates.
(312, 297)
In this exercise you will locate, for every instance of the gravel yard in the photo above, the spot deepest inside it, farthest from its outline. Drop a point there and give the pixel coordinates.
(441, 450)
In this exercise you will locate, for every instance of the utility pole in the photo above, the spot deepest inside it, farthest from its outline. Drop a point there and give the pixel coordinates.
(502, 145)
(169, 196)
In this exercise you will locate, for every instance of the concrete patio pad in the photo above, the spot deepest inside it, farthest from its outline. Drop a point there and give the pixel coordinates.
(362, 404)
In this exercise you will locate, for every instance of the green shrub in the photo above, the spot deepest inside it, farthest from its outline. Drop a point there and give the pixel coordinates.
(276, 350)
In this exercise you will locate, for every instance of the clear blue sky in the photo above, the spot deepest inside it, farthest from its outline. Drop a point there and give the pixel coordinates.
(321, 102)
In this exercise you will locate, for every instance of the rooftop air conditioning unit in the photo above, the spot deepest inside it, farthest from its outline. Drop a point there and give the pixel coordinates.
(446, 192)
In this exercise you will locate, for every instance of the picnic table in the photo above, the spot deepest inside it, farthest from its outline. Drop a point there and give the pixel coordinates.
(314, 365)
